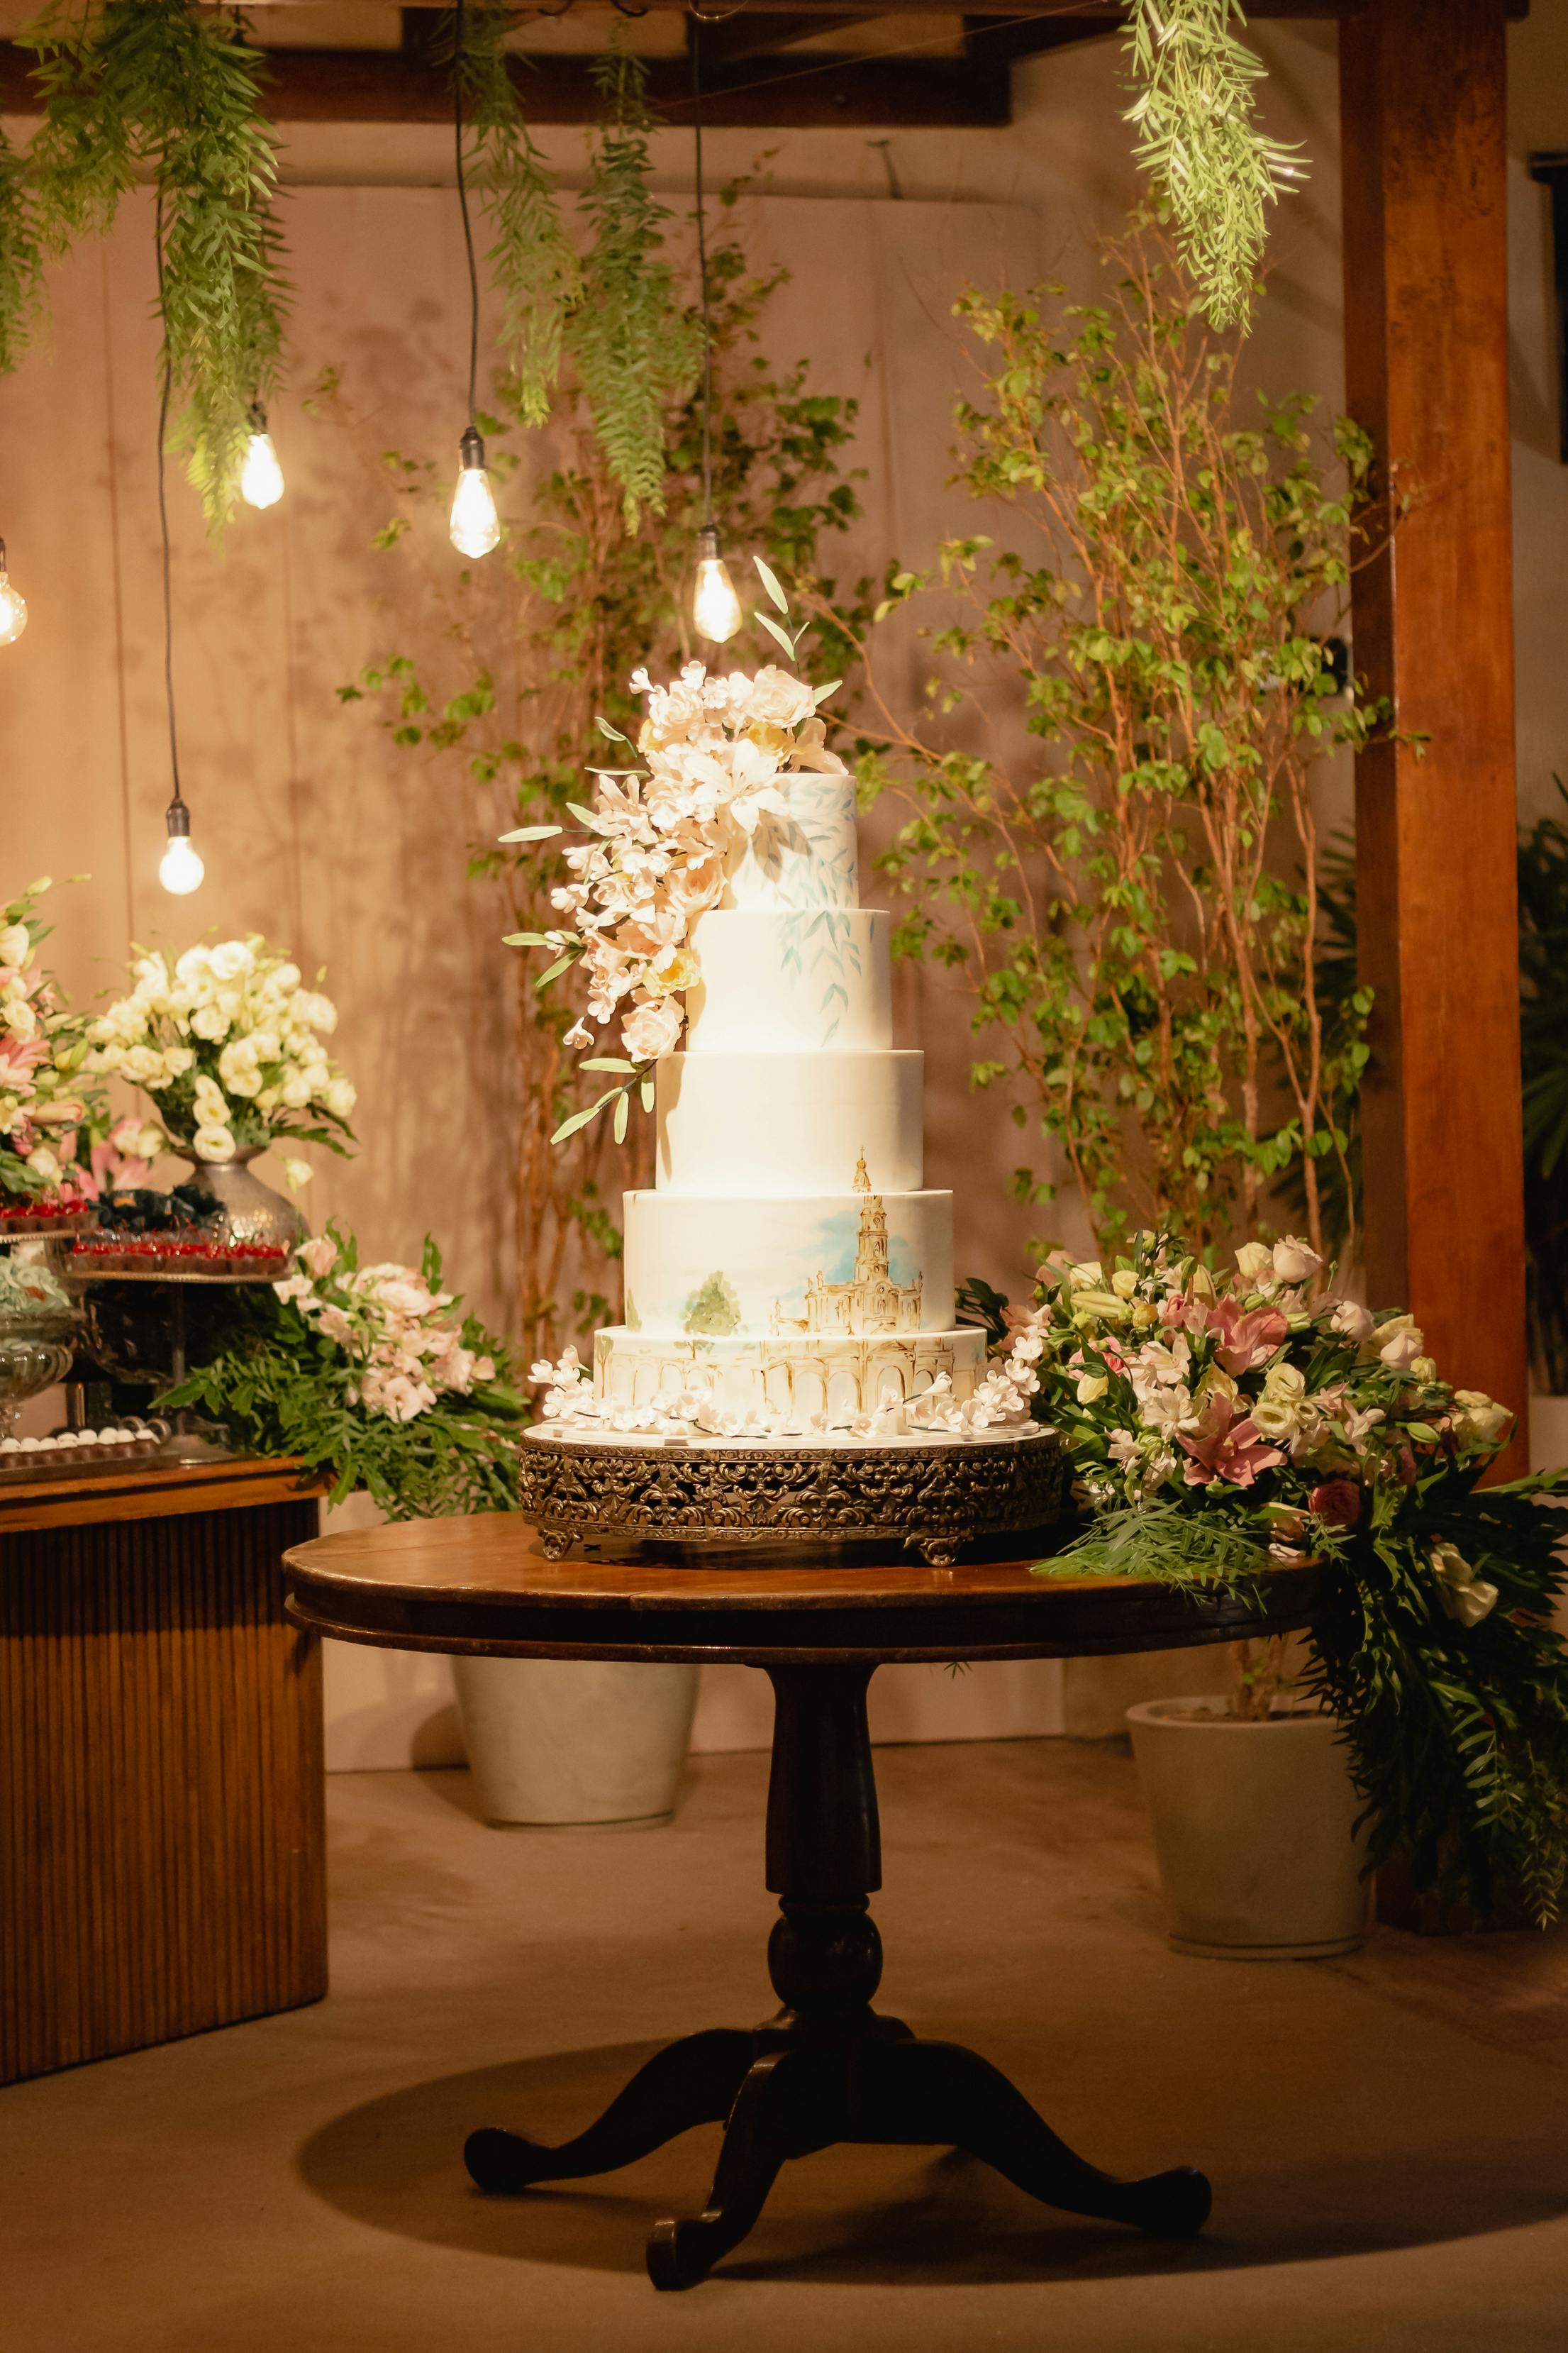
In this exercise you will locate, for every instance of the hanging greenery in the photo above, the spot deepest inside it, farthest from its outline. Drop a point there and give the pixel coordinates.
(1215, 170)
(173, 87)
(636, 349)
(535, 262)
(21, 258)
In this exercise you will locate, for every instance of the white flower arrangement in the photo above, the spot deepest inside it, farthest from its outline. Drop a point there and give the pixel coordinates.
(225, 1041)
(390, 1323)
(1001, 1400)
(656, 844)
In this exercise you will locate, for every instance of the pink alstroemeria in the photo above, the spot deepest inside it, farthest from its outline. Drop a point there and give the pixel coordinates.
(1234, 1450)
(1247, 1341)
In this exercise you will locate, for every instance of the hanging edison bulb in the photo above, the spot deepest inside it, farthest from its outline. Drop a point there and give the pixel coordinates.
(13, 605)
(180, 870)
(260, 476)
(475, 525)
(715, 607)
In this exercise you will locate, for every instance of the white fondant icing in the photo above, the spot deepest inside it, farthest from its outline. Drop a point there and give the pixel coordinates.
(855, 1262)
(788, 1123)
(831, 1375)
(809, 860)
(777, 980)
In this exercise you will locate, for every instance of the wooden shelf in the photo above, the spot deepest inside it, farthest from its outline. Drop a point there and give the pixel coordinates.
(152, 1490)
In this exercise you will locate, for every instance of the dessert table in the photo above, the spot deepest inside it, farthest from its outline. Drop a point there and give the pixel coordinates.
(829, 2067)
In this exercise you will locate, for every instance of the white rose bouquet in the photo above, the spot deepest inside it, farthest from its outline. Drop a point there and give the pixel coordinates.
(226, 1042)
(43, 1051)
(1223, 1423)
(716, 757)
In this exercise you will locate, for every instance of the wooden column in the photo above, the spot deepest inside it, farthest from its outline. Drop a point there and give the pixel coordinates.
(1422, 102)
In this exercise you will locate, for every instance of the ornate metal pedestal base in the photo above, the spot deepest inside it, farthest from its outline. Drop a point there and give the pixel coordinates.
(935, 1494)
(829, 2068)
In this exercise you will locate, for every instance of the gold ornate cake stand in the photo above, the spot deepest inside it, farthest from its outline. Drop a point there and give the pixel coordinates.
(934, 1494)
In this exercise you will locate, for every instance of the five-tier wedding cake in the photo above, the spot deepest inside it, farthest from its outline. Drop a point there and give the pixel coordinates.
(788, 1263)
(789, 1281)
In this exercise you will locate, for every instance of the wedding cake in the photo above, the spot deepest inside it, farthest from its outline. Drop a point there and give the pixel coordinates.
(789, 1263)
(788, 1275)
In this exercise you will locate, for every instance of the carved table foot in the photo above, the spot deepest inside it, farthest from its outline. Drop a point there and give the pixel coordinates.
(829, 2068)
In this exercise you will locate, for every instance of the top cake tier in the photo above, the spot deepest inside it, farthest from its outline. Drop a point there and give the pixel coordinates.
(808, 861)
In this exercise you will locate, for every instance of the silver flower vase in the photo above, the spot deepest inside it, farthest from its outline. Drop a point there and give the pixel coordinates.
(256, 1212)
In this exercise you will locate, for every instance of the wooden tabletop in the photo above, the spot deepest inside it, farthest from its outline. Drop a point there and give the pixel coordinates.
(151, 1491)
(481, 1584)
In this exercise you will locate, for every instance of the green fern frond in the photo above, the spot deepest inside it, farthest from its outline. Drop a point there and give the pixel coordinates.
(21, 259)
(1196, 138)
(634, 348)
(533, 261)
(173, 85)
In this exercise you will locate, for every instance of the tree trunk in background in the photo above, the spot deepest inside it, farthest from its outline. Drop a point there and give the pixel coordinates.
(1422, 101)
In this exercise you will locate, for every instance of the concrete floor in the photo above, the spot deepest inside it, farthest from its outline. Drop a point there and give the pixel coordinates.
(1388, 2135)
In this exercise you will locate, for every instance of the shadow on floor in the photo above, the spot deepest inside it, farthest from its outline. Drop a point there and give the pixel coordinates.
(881, 2216)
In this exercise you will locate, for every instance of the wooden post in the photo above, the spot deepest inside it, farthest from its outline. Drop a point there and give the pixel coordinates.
(1422, 103)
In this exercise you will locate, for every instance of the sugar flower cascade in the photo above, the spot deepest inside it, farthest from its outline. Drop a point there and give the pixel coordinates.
(658, 844)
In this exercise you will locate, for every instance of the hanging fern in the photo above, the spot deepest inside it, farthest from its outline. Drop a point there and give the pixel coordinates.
(635, 349)
(173, 85)
(21, 258)
(1215, 170)
(535, 262)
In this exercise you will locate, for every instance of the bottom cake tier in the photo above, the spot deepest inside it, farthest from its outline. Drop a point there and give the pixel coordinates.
(827, 1375)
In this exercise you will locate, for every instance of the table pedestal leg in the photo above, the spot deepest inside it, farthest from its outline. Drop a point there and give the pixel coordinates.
(829, 2067)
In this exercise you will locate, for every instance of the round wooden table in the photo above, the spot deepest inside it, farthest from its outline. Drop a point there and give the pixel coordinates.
(829, 2067)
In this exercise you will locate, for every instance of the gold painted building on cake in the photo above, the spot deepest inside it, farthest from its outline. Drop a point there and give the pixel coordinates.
(870, 1302)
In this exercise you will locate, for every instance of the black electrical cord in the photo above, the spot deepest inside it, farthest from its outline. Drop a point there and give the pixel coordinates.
(178, 802)
(459, 52)
(702, 273)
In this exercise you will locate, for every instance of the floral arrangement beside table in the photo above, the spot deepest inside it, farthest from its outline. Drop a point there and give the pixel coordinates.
(1224, 1424)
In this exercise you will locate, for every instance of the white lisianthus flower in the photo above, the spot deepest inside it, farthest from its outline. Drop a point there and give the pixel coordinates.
(1295, 1260)
(1464, 1596)
(294, 1093)
(1255, 1261)
(44, 1164)
(1351, 1320)
(1481, 1420)
(1091, 1387)
(209, 1021)
(212, 1143)
(1399, 1342)
(340, 1099)
(320, 1254)
(150, 1141)
(146, 1066)
(230, 960)
(20, 1020)
(177, 1060)
(310, 1010)
(16, 945)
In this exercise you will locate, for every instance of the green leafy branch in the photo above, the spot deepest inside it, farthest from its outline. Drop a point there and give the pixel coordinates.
(1196, 138)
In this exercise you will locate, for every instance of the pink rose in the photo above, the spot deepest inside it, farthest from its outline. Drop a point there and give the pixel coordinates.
(1337, 1501)
(649, 1031)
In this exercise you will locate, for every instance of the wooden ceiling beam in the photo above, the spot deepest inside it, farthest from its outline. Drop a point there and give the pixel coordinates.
(389, 86)
(727, 39)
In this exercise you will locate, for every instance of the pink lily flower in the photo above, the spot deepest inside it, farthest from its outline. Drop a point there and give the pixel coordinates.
(1245, 1341)
(1238, 1453)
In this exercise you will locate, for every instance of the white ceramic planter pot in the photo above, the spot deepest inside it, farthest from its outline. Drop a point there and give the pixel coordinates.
(553, 1742)
(1253, 1830)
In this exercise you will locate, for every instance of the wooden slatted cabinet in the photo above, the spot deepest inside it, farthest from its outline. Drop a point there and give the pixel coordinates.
(161, 1832)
